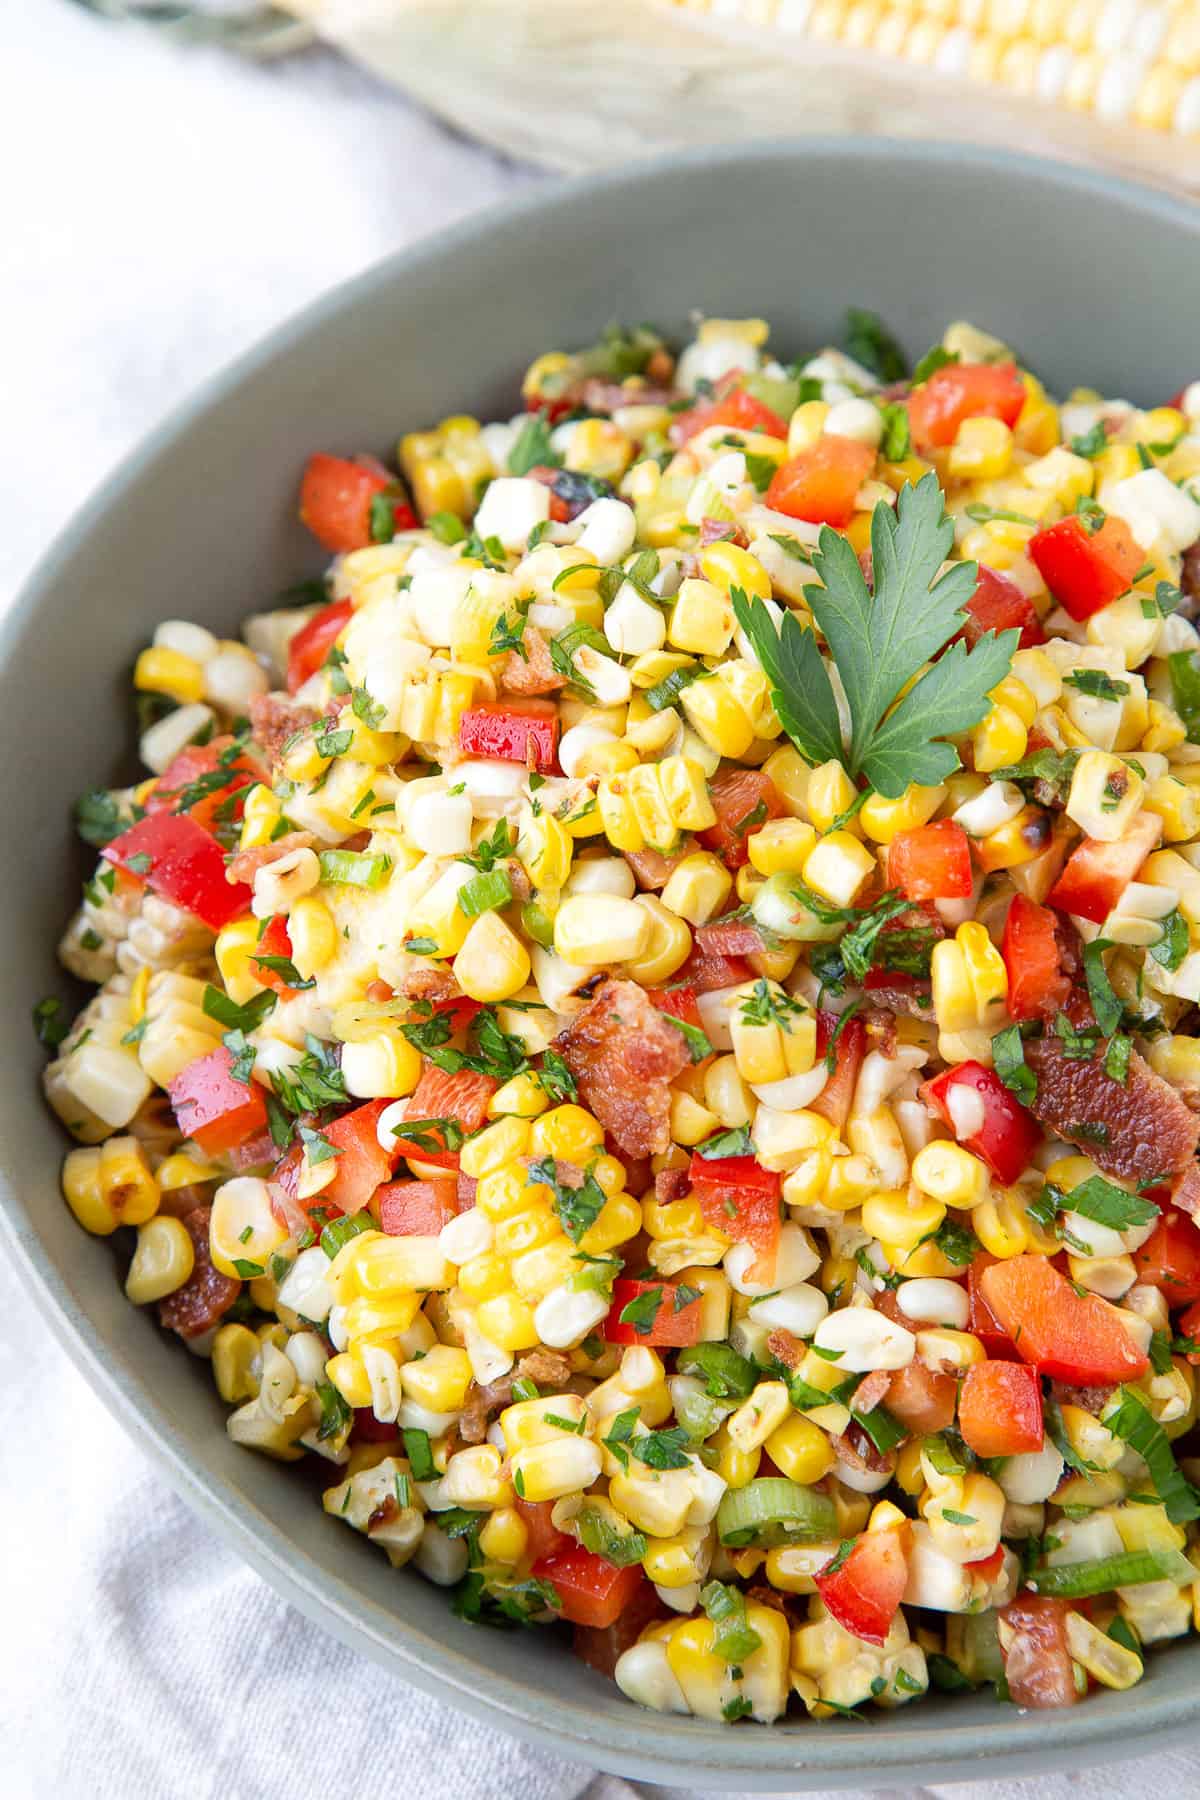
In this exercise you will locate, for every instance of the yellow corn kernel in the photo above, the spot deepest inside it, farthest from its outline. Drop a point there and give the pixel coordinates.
(439, 1380)
(504, 1191)
(1108, 1662)
(806, 425)
(925, 1259)
(1165, 730)
(717, 718)
(784, 1044)
(780, 846)
(350, 1379)
(829, 794)
(234, 948)
(1019, 841)
(182, 1170)
(608, 758)
(882, 820)
(950, 1174)
(483, 1278)
(619, 1219)
(508, 1322)
(698, 887)
(727, 566)
(667, 949)
(982, 450)
(599, 928)
(1001, 1227)
(242, 1227)
(753, 1422)
(800, 1450)
(715, 1298)
(726, 1094)
(493, 963)
(851, 1179)
(261, 813)
(110, 1185)
(570, 1133)
(530, 1421)
(504, 1536)
(234, 1350)
(1177, 805)
(495, 1147)
(545, 849)
(909, 1474)
(734, 1465)
(674, 1562)
(550, 1470)
(970, 992)
(690, 1123)
(523, 1097)
(790, 775)
(162, 671)
(837, 867)
(525, 1231)
(701, 619)
(998, 740)
(162, 1262)
(313, 935)
(895, 1218)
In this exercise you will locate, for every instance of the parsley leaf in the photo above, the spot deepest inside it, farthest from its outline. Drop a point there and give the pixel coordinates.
(233, 1017)
(578, 1208)
(1105, 1204)
(532, 448)
(1172, 946)
(1133, 1422)
(1183, 666)
(1105, 1003)
(869, 342)
(1008, 1060)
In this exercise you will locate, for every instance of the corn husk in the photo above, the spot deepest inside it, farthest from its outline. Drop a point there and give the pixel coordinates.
(578, 86)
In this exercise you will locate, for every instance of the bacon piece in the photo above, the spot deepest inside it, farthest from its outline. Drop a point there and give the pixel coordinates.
(1187, 1193)
(1189, 583)
(870, 1391)
(624, 1054)
(533, 673)
(273, 720)
(654, 868)
(722, 531)
(467, 1185)
(900, 994)
(1092, 1399)
(786, 1348)
(671, 1184)
(1134, 1131)
(206, 1295)
(247, 863)
(427, 984)
(600, 396)
(547, 1367)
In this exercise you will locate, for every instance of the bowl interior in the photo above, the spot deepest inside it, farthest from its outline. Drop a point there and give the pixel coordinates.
(200, 524)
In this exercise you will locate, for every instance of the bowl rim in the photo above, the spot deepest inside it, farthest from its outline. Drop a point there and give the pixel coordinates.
(650, 1746)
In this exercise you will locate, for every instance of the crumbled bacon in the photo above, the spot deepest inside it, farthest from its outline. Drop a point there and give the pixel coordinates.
(246, 864)
(534, 673)
(786, 1348)
(206, 1295)
(722, 531)
(1186, 1195)
(549, 1368)
(671, 1184)
(273, 720)
(624, 1055)
(1189, 583)
(427, 984)
(1133, 1130)
(1090, 1399)
(654, 868)
(871, 1390)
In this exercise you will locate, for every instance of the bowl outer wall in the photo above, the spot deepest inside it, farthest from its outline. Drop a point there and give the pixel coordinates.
(200, 523)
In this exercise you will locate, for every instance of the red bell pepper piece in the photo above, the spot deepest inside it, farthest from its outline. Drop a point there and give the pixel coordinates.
(1097, 874)
(959, 391)
(602, 1649)
(213, 1108)
(335, 499)
(931, 862)
(542, 1536)
(834, 1100)
(981, 1320)
(820, 484)
(461, 1098)
(1037, 987)
(313, 642)
(743, 800)
(666, 1323)
(1037, 1663)
(194, 765)
(864, 1590)
(1170, 1259)
(921, 1398)
(417, 1208)
(740, 1198)
(738, 410)
(1008, 1135)
(999, 605)
(1000, 1409)
(523, 731)
(275, 941)
(677, 1003)
(182, 862)
(589, 1590)
(1083, 569)
(1188, 1330)
(362, 1162)
(1073, 1337)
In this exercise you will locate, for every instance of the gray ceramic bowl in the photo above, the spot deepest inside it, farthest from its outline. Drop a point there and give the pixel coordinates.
(1089, 277)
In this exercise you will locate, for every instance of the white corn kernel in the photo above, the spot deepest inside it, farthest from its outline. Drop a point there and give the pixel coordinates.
(866, 1340)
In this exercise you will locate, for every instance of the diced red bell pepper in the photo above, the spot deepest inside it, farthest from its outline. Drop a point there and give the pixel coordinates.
(677, 1003)
(921, 1398)
(589, 1589)
(981, 1320)
(603, 1649)
(706, 972)
(1037, 987)
(729, 938)
(1188, 1329)
(194, 764)
(1097, 874)
(820, 484)
(1170, 1259)
(275, 941)
(313, 642)
(1073, 1337)
(335, 499)
(1008, 1136)
(999, 605)
(834, 1100)
(670, 1323)
(416, 1208)
(542, 1536)
(460, 1009)
(362, 1162)
(931, 862)
(959, 391)
(740, 1198)
(739, 411)
(213, 1108)
(1000, 1409)
(523, 731)
(1037, 1663)
(743, 800)
(864, 1592)
(182, 862)
(1083, 569)
(462, 1098)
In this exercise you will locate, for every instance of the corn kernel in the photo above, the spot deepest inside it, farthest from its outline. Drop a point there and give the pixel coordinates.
(800, 1450)
(698, 887)
(161, 671)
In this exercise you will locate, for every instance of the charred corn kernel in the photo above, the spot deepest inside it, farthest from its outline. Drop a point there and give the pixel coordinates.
(548, 1471)
(234, 1350)
(503, 1538)
(110, 1185)
(781, 845)
(698, 887)
(800, 1450)
(735, 1466)
(495, 1147)
(790, 776)
(970, 992)
(668, 946)
(162, 1261)
(882, 820)
(483, 1277)
(313, 935)
(1108, 1662)
(1105, 795)
(829, 794)
(1001, 1227)
(999, 739)
(234, 948)
(569, 1132)
(619, 1219)
(717, 717)
(170, 672)
(523, 1097)
(261, 813)
(545, 849)
(439, 1380)
(508, 1322)
(728, 566)
(806, 425)
(726, 1094)
(901, 1218)
(350, 1379)
(599, 928)
(950, 1174)
(982, 450)
(1019, 840)
(837, 867)
(242, 1229)
(493, 963)
(1177, 805)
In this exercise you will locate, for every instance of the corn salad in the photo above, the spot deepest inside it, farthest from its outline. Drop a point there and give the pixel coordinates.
(647, 1017)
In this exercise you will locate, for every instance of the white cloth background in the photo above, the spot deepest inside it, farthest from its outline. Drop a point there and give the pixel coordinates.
(161, 209)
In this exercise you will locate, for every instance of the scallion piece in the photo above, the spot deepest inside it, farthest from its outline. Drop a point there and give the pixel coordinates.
(351, 868)
(773, 1510)
(483, 893)
(1100, 1575)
